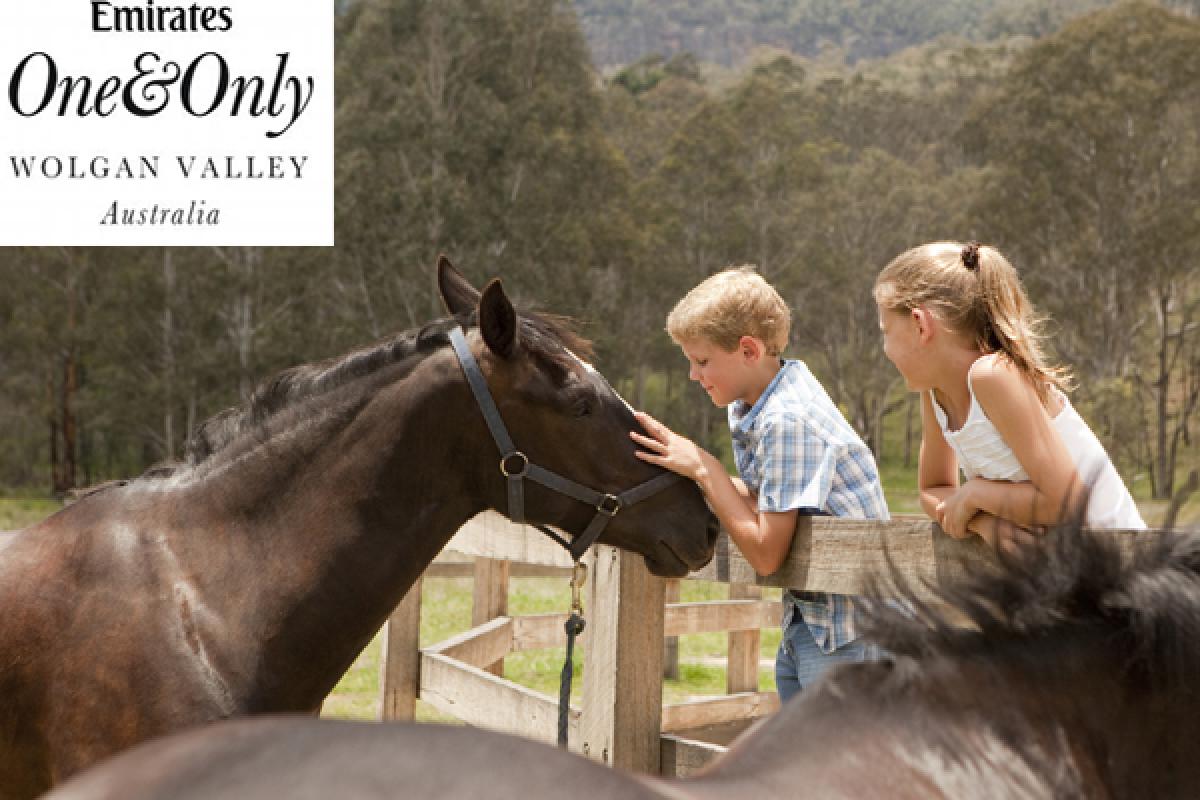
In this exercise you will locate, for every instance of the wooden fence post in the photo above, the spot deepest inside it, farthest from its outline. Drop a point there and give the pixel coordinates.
(671, 645)
(490, 597)
(399, 681)
(742, 672)
(621, 716)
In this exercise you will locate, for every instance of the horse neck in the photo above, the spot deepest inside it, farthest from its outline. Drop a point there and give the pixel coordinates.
(329, 527)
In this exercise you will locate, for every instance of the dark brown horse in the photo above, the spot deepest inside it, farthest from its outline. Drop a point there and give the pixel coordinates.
(247, 580)
(1072, 673)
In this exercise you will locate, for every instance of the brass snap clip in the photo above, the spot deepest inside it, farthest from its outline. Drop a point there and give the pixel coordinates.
(578, 579)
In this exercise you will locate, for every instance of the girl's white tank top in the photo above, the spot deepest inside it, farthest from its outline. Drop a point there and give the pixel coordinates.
(982, 453)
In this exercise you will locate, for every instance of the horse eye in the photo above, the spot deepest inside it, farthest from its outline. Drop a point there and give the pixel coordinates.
(583, 408)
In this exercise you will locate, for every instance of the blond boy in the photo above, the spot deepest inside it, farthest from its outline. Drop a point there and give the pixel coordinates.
(795, 454)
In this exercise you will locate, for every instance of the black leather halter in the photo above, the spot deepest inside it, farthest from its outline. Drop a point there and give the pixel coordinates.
(516, 467)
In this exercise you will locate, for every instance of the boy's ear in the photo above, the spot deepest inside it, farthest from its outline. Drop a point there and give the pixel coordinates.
(751, 348)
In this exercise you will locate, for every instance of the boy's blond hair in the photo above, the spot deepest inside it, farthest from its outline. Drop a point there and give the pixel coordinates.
(735, 302)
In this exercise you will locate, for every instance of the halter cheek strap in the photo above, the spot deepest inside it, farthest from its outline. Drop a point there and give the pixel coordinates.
(516, 467)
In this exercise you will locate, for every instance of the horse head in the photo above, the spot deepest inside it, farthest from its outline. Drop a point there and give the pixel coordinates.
(566, 420)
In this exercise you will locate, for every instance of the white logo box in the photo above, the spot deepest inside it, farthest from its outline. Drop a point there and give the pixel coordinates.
(162, 136)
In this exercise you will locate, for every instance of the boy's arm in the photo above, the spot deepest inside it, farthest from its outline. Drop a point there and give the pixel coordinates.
(763, 537)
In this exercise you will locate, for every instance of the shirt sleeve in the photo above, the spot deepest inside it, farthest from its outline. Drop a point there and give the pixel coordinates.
(798, 466)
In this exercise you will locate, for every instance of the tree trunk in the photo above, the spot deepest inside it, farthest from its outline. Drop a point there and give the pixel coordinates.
(56, 480)
(1163, 482)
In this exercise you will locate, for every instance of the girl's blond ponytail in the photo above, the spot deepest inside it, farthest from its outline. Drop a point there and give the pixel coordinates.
(974, 290)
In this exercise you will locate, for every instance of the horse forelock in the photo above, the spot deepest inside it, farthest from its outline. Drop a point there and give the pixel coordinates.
(1145, 599)
(550, 337)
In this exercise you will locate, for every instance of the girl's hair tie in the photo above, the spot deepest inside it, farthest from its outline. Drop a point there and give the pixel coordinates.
(970, 256)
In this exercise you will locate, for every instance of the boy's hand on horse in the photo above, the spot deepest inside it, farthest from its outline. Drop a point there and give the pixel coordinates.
(668, 449)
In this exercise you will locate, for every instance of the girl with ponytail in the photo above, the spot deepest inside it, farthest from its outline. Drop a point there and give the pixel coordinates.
(959, 328)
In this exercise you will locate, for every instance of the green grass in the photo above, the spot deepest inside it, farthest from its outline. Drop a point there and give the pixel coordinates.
(900, 487)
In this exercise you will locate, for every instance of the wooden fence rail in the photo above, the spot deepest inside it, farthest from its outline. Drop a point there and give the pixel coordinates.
(621, 720)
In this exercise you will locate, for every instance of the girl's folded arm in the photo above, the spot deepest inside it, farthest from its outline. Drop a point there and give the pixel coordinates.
(1023, 422)
(937, 468)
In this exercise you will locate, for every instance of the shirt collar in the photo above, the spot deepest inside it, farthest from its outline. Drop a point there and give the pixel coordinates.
(745, 419)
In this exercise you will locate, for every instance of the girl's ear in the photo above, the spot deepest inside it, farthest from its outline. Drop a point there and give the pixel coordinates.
(926, 324)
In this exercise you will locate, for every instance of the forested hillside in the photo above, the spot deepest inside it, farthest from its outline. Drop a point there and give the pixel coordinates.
(726, 32)
(479, 128)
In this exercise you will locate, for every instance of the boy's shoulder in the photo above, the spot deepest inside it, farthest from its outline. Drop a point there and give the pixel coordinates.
(797, 391)
(801, 407)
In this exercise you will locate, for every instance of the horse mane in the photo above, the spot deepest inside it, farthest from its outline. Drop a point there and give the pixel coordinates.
(1145, 597)
(545, 335)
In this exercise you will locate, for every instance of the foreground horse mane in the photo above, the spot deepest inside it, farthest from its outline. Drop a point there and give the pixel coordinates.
(1147, 597)
(545, 335)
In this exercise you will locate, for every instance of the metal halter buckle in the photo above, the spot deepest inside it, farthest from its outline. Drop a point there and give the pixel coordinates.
(514, 473)
(609, 504)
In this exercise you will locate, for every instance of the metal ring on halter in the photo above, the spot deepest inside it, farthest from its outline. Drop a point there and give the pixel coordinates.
(609, 504)
(519, 473)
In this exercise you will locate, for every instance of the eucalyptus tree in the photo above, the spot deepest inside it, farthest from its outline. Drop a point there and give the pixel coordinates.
(472, 128)
(1091, 146)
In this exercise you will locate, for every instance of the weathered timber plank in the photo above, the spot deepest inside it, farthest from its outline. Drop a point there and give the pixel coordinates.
(398, 683)
(466, 569)
(716, 710)
(840, 555)
(539, 631)
(715, 616)
(680, 756)
(481, 646)
(479, 698)
(741, 675)
(671, 644)
(492, 536)
(622, 692)
(490, 600)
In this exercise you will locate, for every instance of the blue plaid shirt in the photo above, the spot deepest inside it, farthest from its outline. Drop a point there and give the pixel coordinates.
(795, 450)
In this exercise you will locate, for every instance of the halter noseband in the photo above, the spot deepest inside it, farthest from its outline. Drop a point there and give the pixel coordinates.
(515, 466)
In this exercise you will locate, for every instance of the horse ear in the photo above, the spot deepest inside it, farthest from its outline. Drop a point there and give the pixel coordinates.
(458, 295)
(498, 320)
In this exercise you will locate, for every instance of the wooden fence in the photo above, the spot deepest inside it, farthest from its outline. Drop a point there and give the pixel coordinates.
(622, 720)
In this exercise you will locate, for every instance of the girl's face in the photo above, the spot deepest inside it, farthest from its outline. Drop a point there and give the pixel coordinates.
(723, 374)
(903, 344)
